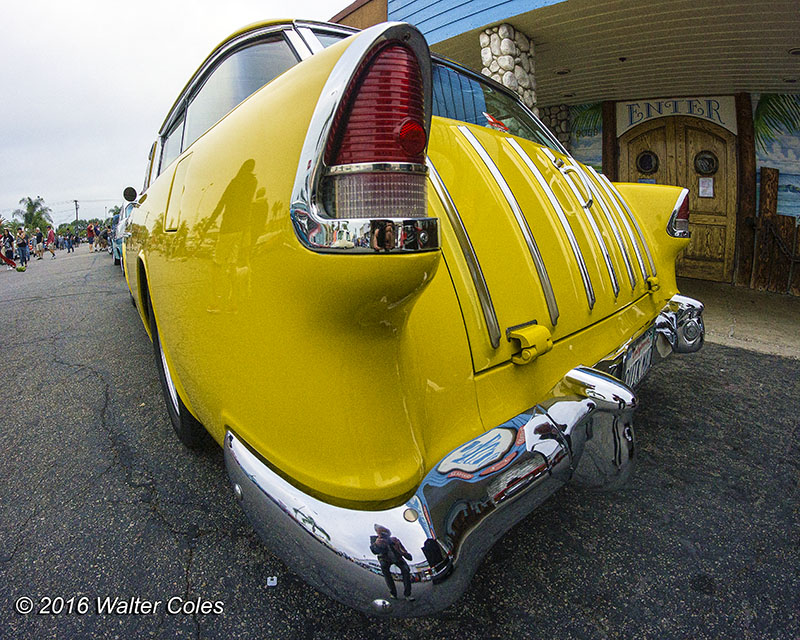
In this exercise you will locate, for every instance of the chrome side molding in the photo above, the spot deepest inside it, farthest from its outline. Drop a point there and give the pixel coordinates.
(582, 432)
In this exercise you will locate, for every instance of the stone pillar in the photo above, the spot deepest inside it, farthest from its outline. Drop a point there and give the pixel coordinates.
(507, 57)
(557, 120)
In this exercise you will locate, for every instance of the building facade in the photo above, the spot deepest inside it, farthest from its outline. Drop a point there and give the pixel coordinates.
(703, 95)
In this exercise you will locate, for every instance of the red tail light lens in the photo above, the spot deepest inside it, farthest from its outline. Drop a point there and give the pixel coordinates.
(683, 209)
(376, 149)
(382, 116)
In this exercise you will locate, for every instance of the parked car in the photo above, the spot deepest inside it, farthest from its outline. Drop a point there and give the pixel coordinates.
(119, 226)
(403, 309)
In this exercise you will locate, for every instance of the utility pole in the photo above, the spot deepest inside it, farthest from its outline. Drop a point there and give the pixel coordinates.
(76, 211)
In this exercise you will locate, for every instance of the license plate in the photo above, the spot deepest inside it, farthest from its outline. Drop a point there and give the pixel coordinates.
(638, 358)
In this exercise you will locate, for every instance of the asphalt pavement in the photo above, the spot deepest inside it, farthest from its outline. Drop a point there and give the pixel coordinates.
(98, 500)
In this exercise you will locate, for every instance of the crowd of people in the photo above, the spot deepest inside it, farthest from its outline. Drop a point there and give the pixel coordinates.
(21, 247)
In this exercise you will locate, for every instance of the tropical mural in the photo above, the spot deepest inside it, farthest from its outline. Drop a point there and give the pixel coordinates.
(776, 118)
(586, 133)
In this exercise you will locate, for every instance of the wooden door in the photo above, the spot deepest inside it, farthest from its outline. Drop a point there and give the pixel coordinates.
(700, 156)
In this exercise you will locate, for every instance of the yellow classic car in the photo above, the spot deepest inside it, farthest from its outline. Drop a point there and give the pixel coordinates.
(405, 312)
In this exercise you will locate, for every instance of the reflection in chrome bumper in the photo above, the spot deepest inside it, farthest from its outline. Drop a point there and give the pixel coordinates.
(679, 328)
(680, 325)
(581, 433)
(474, 495)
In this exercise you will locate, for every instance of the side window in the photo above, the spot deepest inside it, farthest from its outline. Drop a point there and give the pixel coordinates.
(234, 79)
(326, 38)
(148, 174)
(172, 145)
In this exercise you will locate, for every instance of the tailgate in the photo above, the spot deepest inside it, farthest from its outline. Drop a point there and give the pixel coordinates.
(553, 242)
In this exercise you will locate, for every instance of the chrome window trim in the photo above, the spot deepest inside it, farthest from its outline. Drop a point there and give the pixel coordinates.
(305, 210)
(377, 167)
(615, 228)
(179, 122)
(598, 236)
(541, 269)
(470, 257)
(604, 182)
(576, 250)
(199, 76)
(299, 45)
(635, 224)
(312, 42)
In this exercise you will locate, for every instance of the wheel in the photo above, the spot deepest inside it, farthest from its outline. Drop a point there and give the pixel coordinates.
(188, 429)
(116, 260)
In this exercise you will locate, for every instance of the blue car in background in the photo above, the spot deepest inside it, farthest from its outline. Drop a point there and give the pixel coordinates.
(115, 248)
(118, 226)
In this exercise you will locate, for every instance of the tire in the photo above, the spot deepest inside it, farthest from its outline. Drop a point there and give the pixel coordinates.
(189, 430)
(116, 261)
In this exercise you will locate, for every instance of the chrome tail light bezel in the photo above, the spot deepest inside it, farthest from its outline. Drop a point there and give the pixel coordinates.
(314, 227)
(678, 226)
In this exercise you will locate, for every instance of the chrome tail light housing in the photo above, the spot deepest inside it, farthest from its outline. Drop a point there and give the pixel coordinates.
(361, 183)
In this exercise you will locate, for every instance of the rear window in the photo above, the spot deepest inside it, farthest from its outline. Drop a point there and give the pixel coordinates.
(463, 97)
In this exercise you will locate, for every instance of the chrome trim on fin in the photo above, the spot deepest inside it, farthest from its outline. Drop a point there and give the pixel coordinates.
(605, 182)
(564, 169)
(541, 269)
(471, 258)
(576, 250)
(314, 229)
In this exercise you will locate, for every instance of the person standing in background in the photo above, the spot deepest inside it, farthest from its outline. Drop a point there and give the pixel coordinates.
(22, 248)
(90, 237)
(8, 247)
(51, 241)
(38, 246)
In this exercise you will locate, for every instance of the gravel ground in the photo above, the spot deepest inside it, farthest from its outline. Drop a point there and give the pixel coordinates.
(98, 499)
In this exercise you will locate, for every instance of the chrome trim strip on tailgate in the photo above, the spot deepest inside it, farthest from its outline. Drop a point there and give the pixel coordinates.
(604, 182)
(576, 250)
(481, 288)
(635, 224)
(564, 169)
(541, 269)
(615, 228)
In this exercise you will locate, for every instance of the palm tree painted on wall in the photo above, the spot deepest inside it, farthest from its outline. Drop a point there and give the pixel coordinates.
(586, 119)
(775, 113)
(34, 213)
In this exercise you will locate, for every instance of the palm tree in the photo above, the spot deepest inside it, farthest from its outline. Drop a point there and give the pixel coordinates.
(775, 113)
(586, 119)
(34, 213)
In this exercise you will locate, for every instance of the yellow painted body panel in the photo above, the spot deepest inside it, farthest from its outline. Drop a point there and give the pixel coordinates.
(352, 375)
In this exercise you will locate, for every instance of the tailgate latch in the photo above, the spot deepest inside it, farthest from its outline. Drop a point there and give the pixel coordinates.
(535, 340)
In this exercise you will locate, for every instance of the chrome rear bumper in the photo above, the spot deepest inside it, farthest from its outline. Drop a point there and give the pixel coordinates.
(582, 433)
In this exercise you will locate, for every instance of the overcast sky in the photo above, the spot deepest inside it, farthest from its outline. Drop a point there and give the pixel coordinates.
(86, 85)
